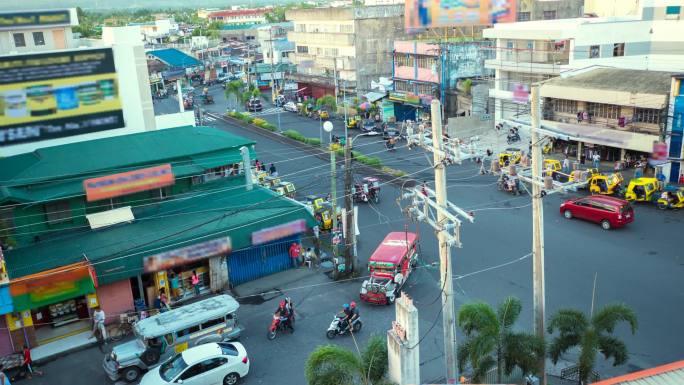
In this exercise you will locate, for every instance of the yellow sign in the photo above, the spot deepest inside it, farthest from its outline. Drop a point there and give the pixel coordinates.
(181, 347)
(92, 301)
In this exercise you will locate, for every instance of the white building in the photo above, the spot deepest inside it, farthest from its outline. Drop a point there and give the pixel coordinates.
(273, 43)
(532, 51)
(22, 32)
(154, 32)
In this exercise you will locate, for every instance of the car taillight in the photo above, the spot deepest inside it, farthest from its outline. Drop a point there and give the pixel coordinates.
(245, 360)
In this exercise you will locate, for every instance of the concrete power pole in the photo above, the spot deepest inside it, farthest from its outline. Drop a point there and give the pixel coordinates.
(349, 208)
(537, 229)
(448, 312)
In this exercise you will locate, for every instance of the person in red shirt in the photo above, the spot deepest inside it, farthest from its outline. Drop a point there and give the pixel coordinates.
(294, 252)
(27, 364)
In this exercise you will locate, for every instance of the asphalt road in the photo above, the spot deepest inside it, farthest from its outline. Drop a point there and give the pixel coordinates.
(640, 265)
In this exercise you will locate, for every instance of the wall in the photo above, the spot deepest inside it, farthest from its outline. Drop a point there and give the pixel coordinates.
(179, 119)
(374, 48)
(607, 8)
(115, 298)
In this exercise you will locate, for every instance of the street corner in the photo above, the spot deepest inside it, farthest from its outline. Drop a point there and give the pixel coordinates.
(284, 283)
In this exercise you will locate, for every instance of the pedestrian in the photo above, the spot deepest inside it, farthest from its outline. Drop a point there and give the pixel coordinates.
(27, 364)
(98, 322)
(309, 257)
(175, 285)
(294, 252)
(195, 282)
(272, 170)
(163, 300)
(585, 116)
(257, 164)
(596, 160)
(263, 167)
(566, 165)
(617, 166)
(579, 116)
(4, 380)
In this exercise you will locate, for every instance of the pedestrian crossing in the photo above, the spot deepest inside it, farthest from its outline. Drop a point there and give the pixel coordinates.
(268, 111)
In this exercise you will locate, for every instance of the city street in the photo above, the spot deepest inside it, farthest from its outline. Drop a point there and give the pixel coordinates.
(639, 265)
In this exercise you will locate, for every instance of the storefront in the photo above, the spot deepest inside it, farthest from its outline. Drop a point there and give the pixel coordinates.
(52, 304)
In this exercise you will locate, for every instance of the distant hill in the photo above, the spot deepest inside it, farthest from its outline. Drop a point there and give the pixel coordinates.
(129, 4)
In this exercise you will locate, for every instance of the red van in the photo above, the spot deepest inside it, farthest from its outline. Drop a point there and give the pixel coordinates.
(608, 211)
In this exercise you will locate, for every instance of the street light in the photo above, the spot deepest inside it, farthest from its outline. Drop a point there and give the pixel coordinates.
(328, 127)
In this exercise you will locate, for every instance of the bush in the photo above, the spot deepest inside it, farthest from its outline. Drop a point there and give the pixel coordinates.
(259, 122)
(292, 134)
(246, 118)
(372, 161)
(313, 141)
(393, 172)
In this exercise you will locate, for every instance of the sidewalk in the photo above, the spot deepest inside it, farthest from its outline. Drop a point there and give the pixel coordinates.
(62, 347)
(263, 289)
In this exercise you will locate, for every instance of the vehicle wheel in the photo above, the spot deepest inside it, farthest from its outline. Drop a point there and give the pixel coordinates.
(150, 357)
(605, 224)
(231, 379)
(330, 334)
(131, 374)
(567, 214)
(271, 335)
(390, 300)
(116, 334)
(357, 326)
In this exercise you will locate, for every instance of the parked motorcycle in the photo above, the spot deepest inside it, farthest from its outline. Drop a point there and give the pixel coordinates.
(513, 137)
(278, 324)
(335, 329)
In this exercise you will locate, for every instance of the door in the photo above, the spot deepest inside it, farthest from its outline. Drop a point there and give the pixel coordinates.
(259, 261)
(580, 209)
(199, 374)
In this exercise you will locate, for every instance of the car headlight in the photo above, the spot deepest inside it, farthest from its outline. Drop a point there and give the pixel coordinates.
(363, 290)
(113, 356)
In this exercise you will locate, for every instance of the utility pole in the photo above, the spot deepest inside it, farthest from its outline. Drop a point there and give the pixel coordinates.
(537, 229)
(349, 208)
(433, 208)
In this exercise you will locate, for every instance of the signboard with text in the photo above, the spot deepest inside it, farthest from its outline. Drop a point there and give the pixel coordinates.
(276, 232)
(184, 255)
(422, 14)
(53, 95)
(15, 20)
(110, 186)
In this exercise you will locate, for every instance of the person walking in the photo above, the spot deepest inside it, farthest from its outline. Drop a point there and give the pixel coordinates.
(596, 160)
(27, 364)
(163, 300)
(98, 323)
(294, 252)
(175, 285)
(195, 282)
(566, 165)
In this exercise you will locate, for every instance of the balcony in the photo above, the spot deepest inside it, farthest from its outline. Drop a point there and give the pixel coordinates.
(321, 79)
(328, 39)
(544, 68)
(602, 123)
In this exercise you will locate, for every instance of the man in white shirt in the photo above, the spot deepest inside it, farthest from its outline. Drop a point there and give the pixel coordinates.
(98, 322)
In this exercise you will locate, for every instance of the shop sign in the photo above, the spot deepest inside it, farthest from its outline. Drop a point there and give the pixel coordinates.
(58, 94)
(185, 255)
(660, 151)
(124, 183)
(34, 19)
(276, 232)
(406, 97)
(521, 93)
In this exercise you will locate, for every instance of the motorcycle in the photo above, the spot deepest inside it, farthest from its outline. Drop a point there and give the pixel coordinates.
(278, 324)
(336, 328)
(513, 137)
(360, 193)
(509, 185)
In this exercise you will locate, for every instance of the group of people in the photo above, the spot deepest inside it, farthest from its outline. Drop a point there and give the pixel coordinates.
(300, 258)
(262, 167)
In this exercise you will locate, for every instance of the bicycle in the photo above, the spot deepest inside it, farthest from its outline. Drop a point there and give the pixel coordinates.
(124, 327)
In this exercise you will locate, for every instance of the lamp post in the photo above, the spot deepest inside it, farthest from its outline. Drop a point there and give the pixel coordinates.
(328, 127)
(349, 202)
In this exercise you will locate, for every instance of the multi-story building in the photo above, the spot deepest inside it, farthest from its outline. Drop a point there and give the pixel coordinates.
(608, 8)
(538, 50)
(235, 16)
(674, 135)
(24, 32)
(350, 47)
(155, 31)
(423, 71)
(549, 9)
(272, 39)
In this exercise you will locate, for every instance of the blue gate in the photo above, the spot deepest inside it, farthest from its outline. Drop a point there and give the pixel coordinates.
(259, 261)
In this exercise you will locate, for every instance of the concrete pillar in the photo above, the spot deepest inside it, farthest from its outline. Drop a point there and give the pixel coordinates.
(218, 274)
(402, 344)
(579, 151)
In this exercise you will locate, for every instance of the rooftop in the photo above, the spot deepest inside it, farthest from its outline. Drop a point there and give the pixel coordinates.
(549, 29)
(615, 79)
(186, 316)
(175, 58)
(58, 171)
(668, 374)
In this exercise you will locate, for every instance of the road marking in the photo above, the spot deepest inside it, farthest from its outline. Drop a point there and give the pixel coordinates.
(269, 111)
(209, 118)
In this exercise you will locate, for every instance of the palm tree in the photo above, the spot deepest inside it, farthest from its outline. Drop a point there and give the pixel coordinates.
(234, 88)
(491, 342)
(591, 336)
(335, 365)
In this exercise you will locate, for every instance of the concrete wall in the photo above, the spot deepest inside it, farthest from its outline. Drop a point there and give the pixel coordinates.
(607, 8)
(115, 298)
(374, 48)
(179, 119)
(565, 9)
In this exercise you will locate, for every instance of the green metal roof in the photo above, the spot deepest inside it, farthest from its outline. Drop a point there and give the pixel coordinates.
(59, 171)
(219, 208)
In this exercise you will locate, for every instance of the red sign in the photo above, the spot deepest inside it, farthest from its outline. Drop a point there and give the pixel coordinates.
(277, 232)
(659, 151)
(125, 183)
(185, 255)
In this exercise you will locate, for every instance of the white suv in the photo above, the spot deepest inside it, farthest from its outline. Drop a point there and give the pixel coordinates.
(214, 363)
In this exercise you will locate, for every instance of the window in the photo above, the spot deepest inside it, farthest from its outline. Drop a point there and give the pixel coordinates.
(424, 89)
(523, 16)
(618, 49)
(213, 322)
(673, 10)
(19, 40)
(213, 363)
(347, 28)
(187, 331)
(647, 115)
(509, 44)
(402, 86)
(403, 60)
(530, 44)
(594, 51)
(331, 52)
(57, 212)
(38, 38)
(192, 371)
(6, 218)
(425, 62)
(605, 111)
(563, 105)
(549, 15)
(302, 49)
(228, 349)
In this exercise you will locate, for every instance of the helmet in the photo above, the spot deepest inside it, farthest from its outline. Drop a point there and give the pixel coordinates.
(345, 306)
(353, 304)
(282, 303)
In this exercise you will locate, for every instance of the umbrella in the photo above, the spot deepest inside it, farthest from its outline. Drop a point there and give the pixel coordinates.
(364, 106)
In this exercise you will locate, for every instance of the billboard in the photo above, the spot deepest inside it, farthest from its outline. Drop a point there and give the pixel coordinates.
(422, 14)
(53, 95)
(124, 183)
(34, 19)
(280, 231)
(184, 255)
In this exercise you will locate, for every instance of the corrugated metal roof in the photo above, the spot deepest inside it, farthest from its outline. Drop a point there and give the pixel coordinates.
(175, 58)
(669, 374)
(638, 81)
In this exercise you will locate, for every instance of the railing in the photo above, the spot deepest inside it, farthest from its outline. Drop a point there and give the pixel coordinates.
(572, 373)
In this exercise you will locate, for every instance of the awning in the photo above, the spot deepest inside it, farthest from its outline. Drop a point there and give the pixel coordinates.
(588, 133)
(52, 286)
(373, 96)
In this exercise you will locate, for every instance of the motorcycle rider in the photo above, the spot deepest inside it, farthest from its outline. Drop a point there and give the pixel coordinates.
(354, 314)
(282, 311)
(345, 321)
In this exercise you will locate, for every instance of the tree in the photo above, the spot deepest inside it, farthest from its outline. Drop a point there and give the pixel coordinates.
(328, 101)
(234, 88)
(591, 336)
(277, 14)
(335, 365)
(491, 342)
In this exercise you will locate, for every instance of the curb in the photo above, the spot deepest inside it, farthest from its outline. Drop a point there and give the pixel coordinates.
(318, 152)
(64, 353)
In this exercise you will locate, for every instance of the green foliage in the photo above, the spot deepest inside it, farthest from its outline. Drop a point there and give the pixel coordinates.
(467, 85)
(327, 101)
(234, 88)
(335, 365)
(296, 135)
(492, 343)
(591, 336)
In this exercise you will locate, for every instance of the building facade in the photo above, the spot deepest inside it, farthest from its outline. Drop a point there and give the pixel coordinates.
(548, 9)
(675, 132)
(235, 16)
(275, 47)
(25, 32)
(348, 47)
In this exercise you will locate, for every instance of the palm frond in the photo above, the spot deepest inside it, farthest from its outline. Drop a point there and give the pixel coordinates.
(477, 317)
(483, 367)
(509, 311)
(561, 344)
(612, 347)
(587, 358)
(608, 317)
(331, 365)
(522, 350)
(568, 321)
(374, 359)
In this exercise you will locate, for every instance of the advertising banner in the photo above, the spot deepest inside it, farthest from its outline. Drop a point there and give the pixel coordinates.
(125, 183)
(277, 232)
(34, 19)
(53, 95)
(422, 14)
(182, 256)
